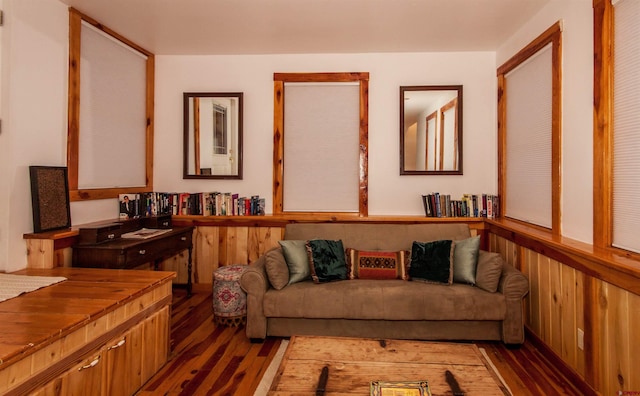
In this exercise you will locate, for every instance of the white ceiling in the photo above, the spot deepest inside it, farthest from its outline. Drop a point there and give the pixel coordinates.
(194, 27)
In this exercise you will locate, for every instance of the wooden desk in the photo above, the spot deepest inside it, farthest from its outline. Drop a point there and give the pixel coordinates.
(100, 332)
(130, 253)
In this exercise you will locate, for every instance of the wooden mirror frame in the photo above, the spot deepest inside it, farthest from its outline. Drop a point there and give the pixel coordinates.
(189, 115)
(457, 102)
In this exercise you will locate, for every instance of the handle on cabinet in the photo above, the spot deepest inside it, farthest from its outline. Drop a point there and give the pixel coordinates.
(111, 236)
(142, 251)
(95, 361)
(184, 238)
(118, 344)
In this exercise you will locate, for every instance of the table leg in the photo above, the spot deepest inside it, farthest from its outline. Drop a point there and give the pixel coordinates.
(189, 272)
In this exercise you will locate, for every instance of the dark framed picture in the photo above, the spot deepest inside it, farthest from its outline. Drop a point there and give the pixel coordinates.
(50, 198)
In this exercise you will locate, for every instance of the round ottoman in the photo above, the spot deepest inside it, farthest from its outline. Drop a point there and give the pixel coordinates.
(229, 300)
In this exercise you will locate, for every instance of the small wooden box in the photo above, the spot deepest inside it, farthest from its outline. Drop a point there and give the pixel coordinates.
(160, 221)
(99, 233)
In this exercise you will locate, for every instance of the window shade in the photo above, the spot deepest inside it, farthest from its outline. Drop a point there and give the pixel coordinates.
(528, 140)
(112, 112)
(321, 146)
(626, 125)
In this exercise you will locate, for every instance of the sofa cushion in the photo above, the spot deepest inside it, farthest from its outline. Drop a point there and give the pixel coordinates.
(465, 260)
(432, 261)
(364, 264)
(295, 254)
(384, 300)
(326, 260)
(489, 271)
(277, 269)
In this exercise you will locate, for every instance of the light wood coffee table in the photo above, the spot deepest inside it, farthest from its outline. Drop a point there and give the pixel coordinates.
(354, 362)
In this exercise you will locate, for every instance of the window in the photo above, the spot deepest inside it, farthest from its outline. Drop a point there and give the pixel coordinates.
(617, 125)
(321, 145)
(110, 136)
(529, 132)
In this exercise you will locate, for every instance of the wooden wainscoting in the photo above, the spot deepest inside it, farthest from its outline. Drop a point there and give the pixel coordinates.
(216, 246)
(566, 295)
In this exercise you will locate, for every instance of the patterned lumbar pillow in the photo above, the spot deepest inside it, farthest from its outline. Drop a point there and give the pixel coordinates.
(377, 265)
(326, 260)
(432, 262)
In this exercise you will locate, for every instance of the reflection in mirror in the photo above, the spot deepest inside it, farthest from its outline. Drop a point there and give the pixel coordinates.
(431, 130)
(212, 135)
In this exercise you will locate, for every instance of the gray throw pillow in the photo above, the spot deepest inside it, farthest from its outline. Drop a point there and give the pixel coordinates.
(277, 269)
(465, 260)
(295, 254)
(489, 271)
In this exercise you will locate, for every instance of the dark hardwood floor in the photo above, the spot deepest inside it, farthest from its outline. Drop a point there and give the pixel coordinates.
(216, 360)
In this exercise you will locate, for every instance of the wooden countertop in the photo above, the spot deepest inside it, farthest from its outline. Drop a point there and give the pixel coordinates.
(34, 320)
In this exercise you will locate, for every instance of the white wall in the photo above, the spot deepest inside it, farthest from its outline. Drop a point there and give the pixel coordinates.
(577, 106)
(34, 113)
(389, 193)
(34, 67)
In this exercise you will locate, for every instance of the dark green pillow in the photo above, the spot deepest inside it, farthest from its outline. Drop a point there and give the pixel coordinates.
(326, 260)
(432, 262)
(465, 260)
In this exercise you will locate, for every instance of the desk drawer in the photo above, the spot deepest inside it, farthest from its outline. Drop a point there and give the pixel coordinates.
(157, 249)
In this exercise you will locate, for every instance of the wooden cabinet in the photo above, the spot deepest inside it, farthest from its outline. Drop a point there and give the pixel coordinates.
(111, 352)
(121, 366)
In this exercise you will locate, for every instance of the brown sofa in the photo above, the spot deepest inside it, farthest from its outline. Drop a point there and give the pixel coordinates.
(387, 308)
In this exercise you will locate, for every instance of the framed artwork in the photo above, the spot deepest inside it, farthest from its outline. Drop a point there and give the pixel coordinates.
(50, 198)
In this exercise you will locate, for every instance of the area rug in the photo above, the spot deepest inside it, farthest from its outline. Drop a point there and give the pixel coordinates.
(270, 373)
(14, 285)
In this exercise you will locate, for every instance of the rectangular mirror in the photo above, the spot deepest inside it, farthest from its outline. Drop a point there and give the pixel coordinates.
(431, 130)
(212, 135)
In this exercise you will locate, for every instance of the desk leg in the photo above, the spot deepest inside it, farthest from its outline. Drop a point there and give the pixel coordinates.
(189, 272)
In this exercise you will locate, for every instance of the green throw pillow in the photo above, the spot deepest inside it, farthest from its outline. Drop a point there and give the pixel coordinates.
(326, 260)
(465, 260)
(295, 254)
(432, 262)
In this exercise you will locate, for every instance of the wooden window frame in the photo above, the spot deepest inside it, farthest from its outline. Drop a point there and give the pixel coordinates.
(73, 131)
(433, 116)
(603, 35)
(553, 36)
(279, 133)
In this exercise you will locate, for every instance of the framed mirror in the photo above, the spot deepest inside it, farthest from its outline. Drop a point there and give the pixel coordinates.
(431, 130)
(212, 135)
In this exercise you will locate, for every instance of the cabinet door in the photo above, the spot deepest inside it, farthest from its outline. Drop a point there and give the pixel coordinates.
(155, 345)
(83, 379)
(122, 363)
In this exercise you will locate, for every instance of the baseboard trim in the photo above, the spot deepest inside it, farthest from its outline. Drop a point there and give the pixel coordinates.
(576, 379)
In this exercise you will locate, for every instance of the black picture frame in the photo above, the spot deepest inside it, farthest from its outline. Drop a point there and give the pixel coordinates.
(50, 198)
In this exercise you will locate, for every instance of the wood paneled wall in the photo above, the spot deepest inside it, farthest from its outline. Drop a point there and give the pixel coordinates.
(563, 299)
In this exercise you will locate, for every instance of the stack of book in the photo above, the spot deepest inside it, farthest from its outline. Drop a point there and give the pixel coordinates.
(470, 205)
(203, 203)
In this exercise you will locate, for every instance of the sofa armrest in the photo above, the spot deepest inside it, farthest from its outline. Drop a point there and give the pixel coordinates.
(255, 283)
(513, 283)
(515, 286)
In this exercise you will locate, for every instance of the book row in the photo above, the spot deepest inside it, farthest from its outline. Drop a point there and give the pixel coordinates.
(470, 205)
(203, 203)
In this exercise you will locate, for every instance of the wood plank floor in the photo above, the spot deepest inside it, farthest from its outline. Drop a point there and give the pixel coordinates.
(216, 360)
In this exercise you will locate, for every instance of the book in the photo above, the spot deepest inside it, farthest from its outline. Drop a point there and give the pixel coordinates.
(399, 388)
(145, 233)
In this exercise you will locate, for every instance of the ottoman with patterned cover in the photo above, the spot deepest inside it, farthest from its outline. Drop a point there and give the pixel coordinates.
(229, 300)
